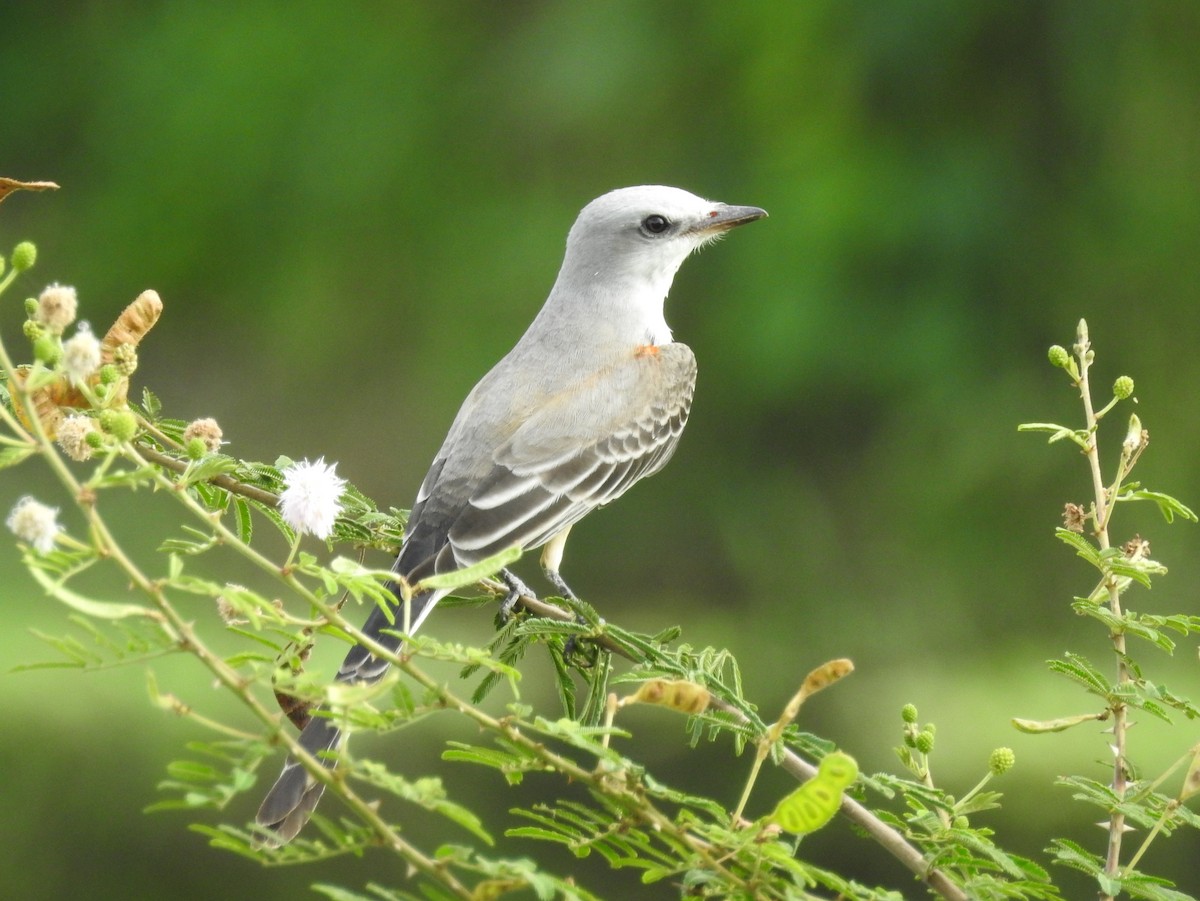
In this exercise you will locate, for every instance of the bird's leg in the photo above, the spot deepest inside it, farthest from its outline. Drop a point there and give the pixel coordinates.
(551, 560)
(516, 588)
(552, 555)
(564, 590)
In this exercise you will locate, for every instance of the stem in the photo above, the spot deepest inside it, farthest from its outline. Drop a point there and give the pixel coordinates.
(1105, 501)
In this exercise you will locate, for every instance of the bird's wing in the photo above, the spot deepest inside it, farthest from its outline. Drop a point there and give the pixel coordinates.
(577, 451)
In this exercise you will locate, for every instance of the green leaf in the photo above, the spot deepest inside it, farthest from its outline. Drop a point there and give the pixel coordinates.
(98, 609)
(207, 467)
(243, 524)
(151, 404)
(469, 575)
(1080, 669)
(1057, 432)
(1167, 505)
(1083, 547)
(11, 456)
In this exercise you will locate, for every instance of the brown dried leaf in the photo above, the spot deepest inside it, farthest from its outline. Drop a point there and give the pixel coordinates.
(8, 185)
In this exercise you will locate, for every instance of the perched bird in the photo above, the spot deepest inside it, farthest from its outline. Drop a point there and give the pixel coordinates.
(592, 398)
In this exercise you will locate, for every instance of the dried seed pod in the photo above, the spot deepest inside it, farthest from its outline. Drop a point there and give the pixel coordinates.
(133, 323)
(129, 329)
(48, 401)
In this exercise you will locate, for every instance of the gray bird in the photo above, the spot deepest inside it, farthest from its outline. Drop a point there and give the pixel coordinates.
(591, 399)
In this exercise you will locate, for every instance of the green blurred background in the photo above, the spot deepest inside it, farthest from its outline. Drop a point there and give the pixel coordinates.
(352, 210)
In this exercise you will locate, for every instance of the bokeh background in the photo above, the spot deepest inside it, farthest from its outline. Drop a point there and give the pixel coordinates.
(352, 210)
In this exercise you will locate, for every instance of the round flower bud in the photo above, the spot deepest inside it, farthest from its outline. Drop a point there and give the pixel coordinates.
(57, 307)
(94, 439)
(33, 329)
(1123, 388)
(1058, 356)
(47, 349)
(195, 448)
(1001, 761)
(908, 713)
(31, 306)
(109, 374)
(121, 424)
(24, 255)
(925, 741)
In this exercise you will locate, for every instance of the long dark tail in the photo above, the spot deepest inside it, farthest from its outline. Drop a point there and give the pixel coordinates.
(294, 796)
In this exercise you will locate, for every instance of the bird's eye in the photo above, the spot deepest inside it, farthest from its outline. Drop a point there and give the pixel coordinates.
(656, 224)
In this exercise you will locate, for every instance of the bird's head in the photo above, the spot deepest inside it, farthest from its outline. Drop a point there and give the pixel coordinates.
(647, 232)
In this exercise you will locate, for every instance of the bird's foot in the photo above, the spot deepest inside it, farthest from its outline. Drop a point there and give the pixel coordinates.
(516, 588)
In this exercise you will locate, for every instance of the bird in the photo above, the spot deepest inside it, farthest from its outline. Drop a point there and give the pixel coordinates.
(591, 399)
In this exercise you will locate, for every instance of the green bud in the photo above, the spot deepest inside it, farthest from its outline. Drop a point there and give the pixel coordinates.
(908, 713)
(109, 374)
(924, 741)
(101, 391)
(47, 349)
(31, 306)
(196, 448)
(121, 424)
(94, 440)
(33, 329)
(24, 255)
(1123, 388)
(961, 822)
(1058, 356)
(1001, 761)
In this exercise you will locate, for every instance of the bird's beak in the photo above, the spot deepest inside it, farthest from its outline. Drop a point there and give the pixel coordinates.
(725, 217)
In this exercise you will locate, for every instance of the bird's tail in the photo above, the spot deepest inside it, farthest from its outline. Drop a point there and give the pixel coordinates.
(294, 796)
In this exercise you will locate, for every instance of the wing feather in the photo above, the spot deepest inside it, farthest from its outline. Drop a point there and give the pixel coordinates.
(582, 448)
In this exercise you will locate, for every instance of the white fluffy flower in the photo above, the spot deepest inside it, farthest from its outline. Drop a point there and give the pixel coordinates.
(72, 436)
(81, 354)
(34, 523)
(309, 503)
(56, 307)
